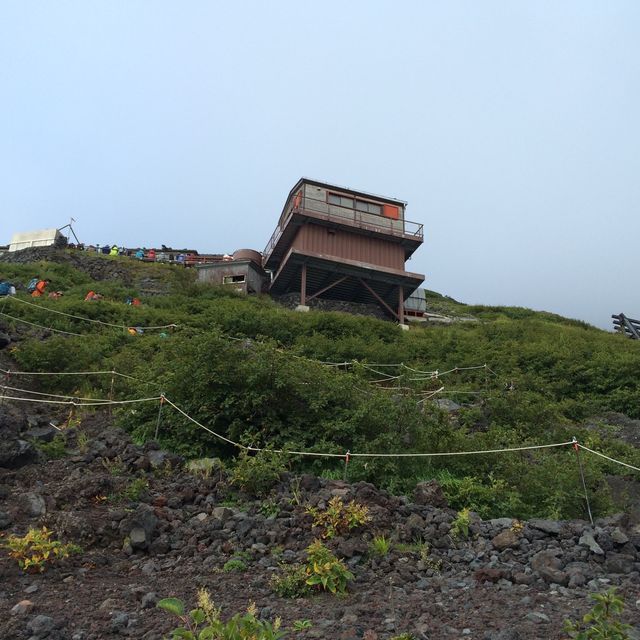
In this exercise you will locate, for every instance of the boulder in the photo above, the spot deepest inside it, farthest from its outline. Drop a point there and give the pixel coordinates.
(42, 434)
(587, 540)
(16, 453)
(548, 526)
(139, 526)
(548, 566)
(505, 540)
(429, 492)
(33, 504)
(40, 626)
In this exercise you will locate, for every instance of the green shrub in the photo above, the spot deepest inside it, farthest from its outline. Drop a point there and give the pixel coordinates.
(258, 474)
(338, 518)
(133, 491)
(291, 581)
(204, 622)
(602, 622)
(36, 550)
(380, 546)
(325, 571)
(53, 450)
(460, 525)
(234, 565)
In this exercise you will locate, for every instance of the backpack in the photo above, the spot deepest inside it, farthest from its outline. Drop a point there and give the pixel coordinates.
(31, 287)
(5, 289)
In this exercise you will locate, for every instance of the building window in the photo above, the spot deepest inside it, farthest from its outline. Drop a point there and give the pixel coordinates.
(233, 279)
(353, 203)
(368, 207)
(341, 201)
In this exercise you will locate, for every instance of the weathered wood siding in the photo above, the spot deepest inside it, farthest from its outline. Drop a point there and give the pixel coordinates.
(352, 246)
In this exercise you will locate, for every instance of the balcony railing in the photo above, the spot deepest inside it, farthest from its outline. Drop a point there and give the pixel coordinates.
(334, 213)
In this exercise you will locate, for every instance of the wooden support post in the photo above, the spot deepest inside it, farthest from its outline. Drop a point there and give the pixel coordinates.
(400, 305)
(303, 285)
(378, 298)
(330, 286)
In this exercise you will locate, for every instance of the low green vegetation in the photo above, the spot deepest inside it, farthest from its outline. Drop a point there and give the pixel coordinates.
(53, 450)
(380, 546)
(323, 571)
(460, 525)
(338, 518)
(603, 621)
(235, 565)
(132, 492)
(205, 623)
(37, 549)
(254, 373)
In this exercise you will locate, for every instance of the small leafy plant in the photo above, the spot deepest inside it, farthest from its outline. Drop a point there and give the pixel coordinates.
(258, 474)
(204, 623)
(53, 450)
(36, 550)
(326, 571)
(234, 565)
(602, 622)
(339, 518)
(132, 492)
(460, 525)
(82, 441)
(380, 546)
(115, 466)
(517, 527)
(291, 582)
(301, 625)
(204, 467)
(269, 508)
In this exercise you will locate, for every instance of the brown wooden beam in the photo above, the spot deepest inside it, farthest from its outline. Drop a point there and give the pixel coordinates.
(330, 286)
(400, 305)
(303, 285)
(379, 299)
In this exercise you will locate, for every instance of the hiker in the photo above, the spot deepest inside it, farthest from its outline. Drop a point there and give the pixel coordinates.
(31, 287)
(106, 250)
(40, 288)
(7, 289)
(92, 296)
(181, 258)
(54, 295)
(140, 254)
(151, 255)
(114, 250)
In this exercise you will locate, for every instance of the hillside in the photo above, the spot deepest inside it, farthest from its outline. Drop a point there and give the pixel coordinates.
(208, 374)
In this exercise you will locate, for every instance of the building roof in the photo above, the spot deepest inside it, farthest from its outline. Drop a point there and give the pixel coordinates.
(337, 187)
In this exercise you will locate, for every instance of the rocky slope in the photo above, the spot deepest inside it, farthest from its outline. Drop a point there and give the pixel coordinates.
(176, 531)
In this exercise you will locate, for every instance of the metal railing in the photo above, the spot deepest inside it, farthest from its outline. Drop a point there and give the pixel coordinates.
(331, 212)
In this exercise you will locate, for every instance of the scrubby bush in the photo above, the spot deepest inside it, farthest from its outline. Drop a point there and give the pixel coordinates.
(249, 371)
(204, 623)
(339, 518)
(36, 550)
(603, 621)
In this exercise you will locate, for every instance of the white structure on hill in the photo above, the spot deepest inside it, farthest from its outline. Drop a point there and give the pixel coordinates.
(41, 238)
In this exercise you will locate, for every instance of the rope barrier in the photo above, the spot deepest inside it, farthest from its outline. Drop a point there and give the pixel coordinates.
(50, 395)
(85, 319)
(77, 373)
(602, 455)
(79, 404)
(40, 326)
(54, 373)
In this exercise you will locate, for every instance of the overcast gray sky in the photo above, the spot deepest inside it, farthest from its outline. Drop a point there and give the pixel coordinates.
(511, 128)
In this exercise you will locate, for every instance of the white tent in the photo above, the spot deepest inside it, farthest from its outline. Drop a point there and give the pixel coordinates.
(41, 238)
